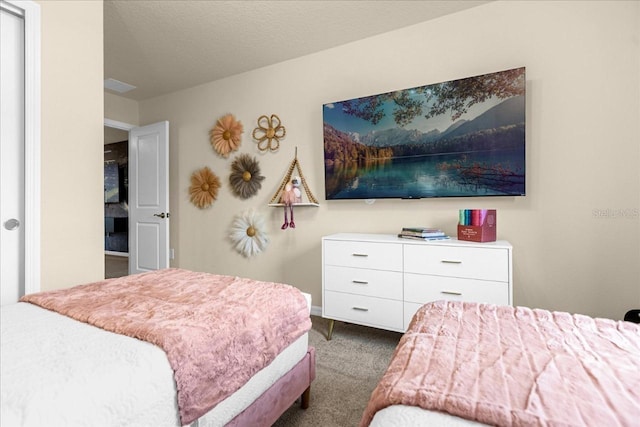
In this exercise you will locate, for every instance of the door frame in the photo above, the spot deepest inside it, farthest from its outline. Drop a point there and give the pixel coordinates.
(30, 11)
(128, 127)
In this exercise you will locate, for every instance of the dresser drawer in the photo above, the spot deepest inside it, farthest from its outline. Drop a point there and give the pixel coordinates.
(378, 256)
(458, 261)
(374, 283)
(410, 309)
(363, 310)
(381, 280)
(421, 289)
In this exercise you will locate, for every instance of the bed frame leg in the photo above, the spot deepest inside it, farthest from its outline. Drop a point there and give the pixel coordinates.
(306, 397)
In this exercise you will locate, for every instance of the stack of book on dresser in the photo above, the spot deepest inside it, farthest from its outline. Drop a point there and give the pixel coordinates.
(423, 233)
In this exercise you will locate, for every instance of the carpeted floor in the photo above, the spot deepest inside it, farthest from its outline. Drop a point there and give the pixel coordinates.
(115, 266)
(347, 370)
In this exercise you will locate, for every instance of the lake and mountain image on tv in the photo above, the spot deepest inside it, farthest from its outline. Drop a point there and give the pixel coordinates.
(458, 138)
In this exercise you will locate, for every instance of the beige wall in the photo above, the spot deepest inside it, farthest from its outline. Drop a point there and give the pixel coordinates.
(72, 205)
(120, 109)
(576, 234)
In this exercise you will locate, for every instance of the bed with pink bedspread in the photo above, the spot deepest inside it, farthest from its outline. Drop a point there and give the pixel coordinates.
(510, 366)
(217, 333)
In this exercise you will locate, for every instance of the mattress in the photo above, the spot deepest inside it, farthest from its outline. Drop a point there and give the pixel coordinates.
(403, 416)
(58, 371)
(226, 410)
(504, 365)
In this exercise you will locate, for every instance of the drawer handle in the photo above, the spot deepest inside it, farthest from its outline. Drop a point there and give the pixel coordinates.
(360, 282)
(450, 261)
(361, 255)
(360, 308)
(451, 292)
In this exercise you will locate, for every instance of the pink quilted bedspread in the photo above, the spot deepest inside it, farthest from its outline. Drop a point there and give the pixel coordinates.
(217, 331)
(517, 366)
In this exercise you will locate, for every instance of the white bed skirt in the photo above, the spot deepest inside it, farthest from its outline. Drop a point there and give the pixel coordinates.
(58, 371)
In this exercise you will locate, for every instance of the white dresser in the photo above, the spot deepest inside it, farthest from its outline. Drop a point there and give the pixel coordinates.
(381, 280)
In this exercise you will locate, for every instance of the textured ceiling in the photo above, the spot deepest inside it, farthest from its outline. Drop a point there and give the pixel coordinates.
(164, 46)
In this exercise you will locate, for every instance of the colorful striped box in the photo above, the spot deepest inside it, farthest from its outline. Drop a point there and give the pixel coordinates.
(477, 225)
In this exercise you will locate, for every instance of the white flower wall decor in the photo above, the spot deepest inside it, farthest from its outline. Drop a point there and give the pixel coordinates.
(248, 234)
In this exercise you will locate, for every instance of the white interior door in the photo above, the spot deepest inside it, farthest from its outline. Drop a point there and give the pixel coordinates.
(12, 158)
(149, 198)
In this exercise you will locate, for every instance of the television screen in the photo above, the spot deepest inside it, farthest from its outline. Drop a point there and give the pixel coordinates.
(458, 138)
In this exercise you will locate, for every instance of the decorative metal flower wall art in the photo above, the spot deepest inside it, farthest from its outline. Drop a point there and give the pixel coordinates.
(248, 233)
(204, 187)
(225, 135)
(269, 129)
(245, 178)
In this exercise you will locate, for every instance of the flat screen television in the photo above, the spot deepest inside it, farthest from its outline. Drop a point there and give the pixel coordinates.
(458, 138)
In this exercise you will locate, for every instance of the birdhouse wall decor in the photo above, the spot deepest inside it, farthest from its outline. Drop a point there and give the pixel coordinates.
(289, 193)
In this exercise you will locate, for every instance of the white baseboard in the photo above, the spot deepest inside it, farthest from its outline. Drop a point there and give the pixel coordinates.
(114, 253)
(316, 311)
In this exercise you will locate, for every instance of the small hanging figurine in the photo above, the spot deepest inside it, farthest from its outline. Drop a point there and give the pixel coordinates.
(296, 189)
(288, 198)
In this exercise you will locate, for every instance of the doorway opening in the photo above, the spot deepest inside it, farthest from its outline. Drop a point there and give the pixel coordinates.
(116, 200)
(148, 198)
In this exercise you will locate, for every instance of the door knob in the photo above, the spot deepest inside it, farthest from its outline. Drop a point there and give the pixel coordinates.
(12, 224)
(161, 215)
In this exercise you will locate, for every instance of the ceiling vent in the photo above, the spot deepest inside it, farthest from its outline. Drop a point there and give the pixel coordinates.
(117, 86)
